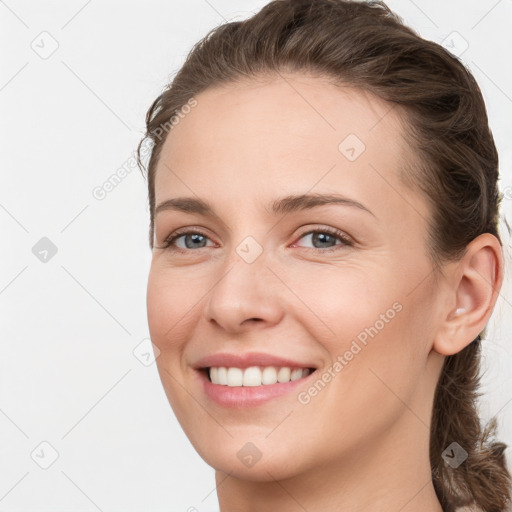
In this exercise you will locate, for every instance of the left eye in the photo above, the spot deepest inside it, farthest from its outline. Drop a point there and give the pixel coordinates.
(321, 236)
(327, 236)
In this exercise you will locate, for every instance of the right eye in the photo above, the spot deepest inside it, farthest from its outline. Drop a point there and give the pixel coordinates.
(195, 240)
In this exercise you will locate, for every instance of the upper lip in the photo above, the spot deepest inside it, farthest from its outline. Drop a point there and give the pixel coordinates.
(248, 359)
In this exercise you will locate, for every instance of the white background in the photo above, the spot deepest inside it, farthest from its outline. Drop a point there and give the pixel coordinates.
(68, 374)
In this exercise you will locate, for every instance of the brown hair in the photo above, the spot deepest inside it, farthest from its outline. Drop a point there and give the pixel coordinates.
(366, 45)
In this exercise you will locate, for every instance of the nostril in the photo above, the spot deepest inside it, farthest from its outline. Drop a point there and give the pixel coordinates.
(254, 320)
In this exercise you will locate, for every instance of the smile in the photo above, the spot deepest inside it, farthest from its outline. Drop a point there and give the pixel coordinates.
(255, 375)
(237, 388)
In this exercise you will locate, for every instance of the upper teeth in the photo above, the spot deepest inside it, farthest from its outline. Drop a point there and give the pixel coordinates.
(255, 375)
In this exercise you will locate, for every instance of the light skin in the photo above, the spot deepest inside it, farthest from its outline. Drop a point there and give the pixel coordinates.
(362, 443)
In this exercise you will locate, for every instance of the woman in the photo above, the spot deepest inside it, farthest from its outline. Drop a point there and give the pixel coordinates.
(324, 204)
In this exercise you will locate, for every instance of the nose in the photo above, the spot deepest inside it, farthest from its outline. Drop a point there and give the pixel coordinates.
(246, 296)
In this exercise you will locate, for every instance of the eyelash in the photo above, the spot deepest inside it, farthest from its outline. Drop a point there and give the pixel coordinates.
(346, 241)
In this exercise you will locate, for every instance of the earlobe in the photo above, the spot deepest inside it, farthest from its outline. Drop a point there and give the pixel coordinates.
(474, 292)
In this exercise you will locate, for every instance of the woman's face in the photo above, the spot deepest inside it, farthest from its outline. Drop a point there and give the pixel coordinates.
(361, 309)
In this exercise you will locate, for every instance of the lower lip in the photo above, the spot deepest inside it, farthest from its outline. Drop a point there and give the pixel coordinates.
(248, 396)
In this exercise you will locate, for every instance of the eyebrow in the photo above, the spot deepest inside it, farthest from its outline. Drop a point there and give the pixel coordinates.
(279, 206)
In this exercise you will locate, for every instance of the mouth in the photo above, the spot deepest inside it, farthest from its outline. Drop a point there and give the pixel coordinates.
(236, 388)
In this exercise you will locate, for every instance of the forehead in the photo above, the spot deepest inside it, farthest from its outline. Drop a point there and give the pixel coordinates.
(292, 133)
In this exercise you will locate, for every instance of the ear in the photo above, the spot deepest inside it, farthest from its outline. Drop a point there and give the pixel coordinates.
(475, 285)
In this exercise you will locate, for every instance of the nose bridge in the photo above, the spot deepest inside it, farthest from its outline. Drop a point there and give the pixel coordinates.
(246, 289)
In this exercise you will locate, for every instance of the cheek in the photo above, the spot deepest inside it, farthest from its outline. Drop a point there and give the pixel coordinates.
(363, 322)
(343, 301)
(172, 301)
(370, 325)
(171, 315)
(389, 368)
